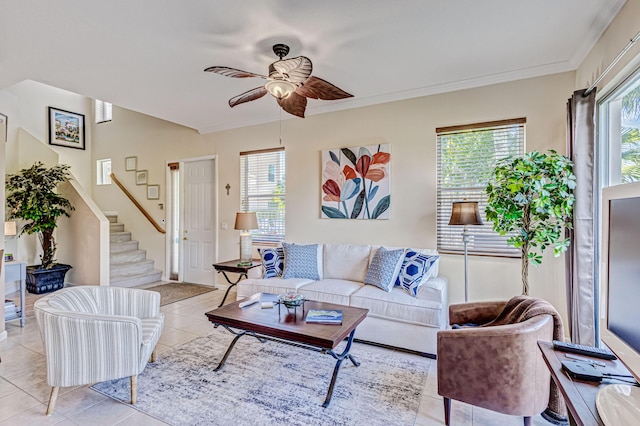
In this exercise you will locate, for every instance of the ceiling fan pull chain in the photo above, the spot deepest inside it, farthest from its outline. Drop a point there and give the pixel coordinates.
(280, 124)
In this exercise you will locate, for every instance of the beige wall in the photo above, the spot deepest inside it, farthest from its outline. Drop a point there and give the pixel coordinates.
(34, 100)
(409, 126)
(86, 238)
(623, 28)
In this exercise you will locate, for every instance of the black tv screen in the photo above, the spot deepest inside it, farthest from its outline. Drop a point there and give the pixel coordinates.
(623, 308)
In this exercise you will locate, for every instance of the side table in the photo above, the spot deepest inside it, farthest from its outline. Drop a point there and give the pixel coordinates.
(579, 395)
(232, 266)
(17, 271)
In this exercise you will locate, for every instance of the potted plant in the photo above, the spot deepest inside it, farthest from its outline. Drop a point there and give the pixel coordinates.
(32, 197)
(531, 198)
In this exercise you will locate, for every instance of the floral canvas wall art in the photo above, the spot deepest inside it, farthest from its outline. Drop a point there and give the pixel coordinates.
(356, 182)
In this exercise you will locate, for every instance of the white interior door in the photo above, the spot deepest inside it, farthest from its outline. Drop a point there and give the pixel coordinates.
(199, 226)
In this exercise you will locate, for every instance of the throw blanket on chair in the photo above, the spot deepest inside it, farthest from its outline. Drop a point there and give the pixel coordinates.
(522, 308)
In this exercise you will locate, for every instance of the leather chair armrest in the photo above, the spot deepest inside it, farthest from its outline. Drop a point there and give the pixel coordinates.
(475, 312)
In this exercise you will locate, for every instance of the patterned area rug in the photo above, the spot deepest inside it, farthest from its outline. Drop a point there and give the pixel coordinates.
(173, 292)
(276, 384)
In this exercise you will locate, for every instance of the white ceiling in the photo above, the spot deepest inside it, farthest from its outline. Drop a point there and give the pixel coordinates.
(149, 55)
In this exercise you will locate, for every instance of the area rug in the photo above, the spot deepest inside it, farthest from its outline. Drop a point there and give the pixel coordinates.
(173, 292)
(274, 383)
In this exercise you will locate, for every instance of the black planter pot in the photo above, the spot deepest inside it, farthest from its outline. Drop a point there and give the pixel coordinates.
(41, 280)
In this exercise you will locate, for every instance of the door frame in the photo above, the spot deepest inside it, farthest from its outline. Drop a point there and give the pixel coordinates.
(169, 215)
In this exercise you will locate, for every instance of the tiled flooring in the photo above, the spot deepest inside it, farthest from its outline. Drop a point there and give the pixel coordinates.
(24, 392)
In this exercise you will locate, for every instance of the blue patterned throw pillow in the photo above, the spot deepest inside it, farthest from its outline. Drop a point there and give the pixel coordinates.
(272, 262)
(415, 267)
(384, 268)
(301, 261)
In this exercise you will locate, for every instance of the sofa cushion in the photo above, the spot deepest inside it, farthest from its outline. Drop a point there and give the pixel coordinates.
(346, 261)
(251, 286)
(415, 266)
(384, 268)
(398, 305)
(272, 261)
(301, 261)
(330, 291)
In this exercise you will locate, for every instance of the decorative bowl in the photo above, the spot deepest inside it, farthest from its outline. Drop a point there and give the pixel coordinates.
(291, 300)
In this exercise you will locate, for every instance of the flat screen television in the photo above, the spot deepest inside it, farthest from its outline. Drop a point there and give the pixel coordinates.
(621, 272)
(620, 257)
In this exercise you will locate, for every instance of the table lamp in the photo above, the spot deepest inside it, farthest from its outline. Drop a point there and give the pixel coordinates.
(244, 222)
(465, 213)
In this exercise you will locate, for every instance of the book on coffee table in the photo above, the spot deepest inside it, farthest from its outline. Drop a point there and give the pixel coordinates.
(322, 316)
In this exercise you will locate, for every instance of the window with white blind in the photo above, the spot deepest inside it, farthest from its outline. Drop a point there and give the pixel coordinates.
(467, 156)
(262, 190)
(102, 111)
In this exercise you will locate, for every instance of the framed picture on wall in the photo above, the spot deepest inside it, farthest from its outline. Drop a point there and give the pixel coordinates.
(131, 164)
(153, 192)
(141, 177)
(66, 128)
(5, 120)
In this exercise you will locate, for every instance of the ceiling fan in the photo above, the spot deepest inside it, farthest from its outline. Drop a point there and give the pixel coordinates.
(289, 81)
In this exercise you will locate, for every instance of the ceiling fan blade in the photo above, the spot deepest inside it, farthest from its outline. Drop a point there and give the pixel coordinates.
(317, 88)
(296, 70)
(294, 104)
(233, 72)
(250, 95)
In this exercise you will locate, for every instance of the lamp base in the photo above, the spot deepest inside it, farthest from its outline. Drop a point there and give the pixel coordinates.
(246, 250)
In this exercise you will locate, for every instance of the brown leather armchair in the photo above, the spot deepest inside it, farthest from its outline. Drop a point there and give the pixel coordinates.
(500, 367)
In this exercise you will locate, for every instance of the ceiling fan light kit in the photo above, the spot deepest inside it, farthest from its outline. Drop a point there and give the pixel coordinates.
(280, 89)
(289, 81)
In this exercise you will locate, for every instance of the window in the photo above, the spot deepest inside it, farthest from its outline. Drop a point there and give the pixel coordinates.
(466, 158)
(103, 168)
(272, 173)
(262, 190)
(102, 111)
(619, 133)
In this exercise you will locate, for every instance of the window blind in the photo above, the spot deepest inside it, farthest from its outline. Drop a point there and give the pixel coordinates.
(102, 111)
(262, 190)
(466, 158)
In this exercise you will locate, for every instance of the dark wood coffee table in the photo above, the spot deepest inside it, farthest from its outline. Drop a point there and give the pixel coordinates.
(285, 325)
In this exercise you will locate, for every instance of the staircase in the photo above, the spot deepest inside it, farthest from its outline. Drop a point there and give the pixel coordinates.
(129, 265)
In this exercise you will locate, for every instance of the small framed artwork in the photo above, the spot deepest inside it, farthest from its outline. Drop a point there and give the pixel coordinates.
(131, 164)
(4, 119)
(141, 177)
(66, 128)
(153, 192)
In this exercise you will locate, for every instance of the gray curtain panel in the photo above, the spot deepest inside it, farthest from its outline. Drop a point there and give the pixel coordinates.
(581, 267)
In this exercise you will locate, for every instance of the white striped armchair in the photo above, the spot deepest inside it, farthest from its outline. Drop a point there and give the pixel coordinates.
(92, 334)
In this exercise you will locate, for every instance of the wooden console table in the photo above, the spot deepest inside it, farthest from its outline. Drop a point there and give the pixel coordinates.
(232, 266)
(579, 395)
(17, 271)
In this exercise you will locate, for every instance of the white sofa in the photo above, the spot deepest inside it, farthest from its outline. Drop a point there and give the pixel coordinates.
(395, 318)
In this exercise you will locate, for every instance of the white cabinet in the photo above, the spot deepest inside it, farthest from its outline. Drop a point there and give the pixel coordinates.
(16, 271)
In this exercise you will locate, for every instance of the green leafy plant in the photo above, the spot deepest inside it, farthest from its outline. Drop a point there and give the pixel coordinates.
(531, 198)
(32, 198)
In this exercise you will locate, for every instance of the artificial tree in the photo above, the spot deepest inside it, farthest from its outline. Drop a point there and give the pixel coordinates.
(33, 198)
(531, 199)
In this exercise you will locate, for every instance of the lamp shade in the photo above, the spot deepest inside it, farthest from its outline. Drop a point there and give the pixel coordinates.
(246, 220)
(465, 213)
(10, 229)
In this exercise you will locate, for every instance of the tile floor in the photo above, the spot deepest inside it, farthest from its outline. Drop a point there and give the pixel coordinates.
(24, 392)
